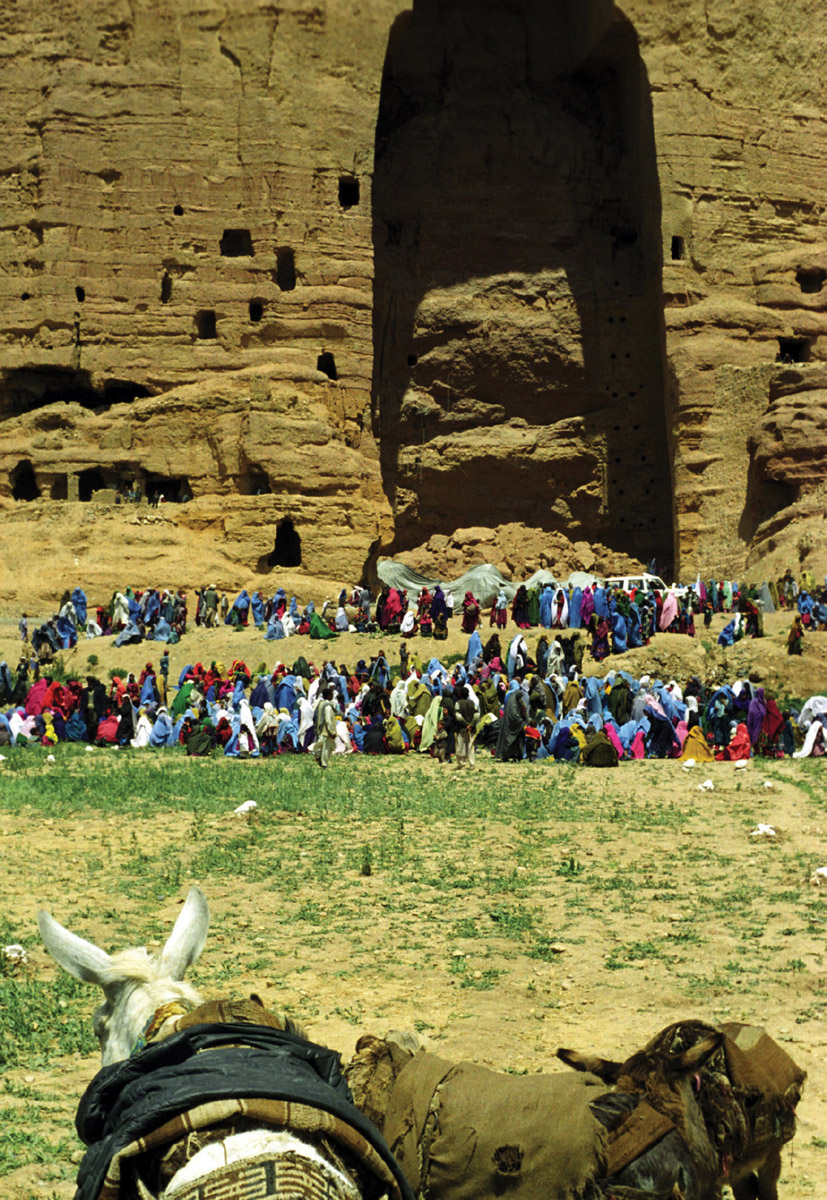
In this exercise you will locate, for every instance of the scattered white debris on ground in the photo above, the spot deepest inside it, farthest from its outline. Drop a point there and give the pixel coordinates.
(15, 954)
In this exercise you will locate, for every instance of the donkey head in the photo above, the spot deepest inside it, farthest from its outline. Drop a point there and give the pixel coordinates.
(667, 1081)
(135, 984)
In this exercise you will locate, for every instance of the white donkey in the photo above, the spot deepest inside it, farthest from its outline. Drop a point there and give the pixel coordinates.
(134, 982)
(137, 986)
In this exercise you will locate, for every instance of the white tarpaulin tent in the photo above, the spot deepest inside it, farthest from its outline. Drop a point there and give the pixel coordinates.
(485, 581)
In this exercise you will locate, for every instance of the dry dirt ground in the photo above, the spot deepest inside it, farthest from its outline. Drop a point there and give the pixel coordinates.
(507, 912)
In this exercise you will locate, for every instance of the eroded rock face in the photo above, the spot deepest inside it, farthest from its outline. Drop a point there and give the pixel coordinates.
(235, 464)
(417, 269)
(520, 357)
(738, 101)
(788, 470)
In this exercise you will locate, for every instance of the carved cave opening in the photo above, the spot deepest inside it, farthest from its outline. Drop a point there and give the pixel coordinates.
(174, 489)
(254, 482)
(326, 363)
(811, 279)
(348, 191)
(24, 483)
(255, 310)
(123, 391)
(677, 248)
(166, 287)
(793, 350)
(517, 245)
(89, 481)
(287, 551)
(59, 489)
(205, 324)
(26, 389)
(236, 243)
(285, 269)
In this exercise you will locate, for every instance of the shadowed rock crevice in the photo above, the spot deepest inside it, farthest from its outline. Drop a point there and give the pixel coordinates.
(26, 389)
(519, 356)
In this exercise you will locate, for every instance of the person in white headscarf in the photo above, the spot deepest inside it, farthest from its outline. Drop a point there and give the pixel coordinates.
(343, 744)
(556, 661)
(143, 728)
(120, 610)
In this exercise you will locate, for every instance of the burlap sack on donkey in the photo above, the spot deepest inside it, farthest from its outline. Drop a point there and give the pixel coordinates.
(464, 1132)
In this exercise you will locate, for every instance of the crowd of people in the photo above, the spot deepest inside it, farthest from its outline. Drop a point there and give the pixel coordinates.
(513, 702)
(614, 620)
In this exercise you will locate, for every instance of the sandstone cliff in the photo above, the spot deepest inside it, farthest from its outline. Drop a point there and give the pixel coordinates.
(399, 271)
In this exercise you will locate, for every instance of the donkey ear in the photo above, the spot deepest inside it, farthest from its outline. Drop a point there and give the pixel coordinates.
(693, 1059)
(80, 958)
(604, 1068)
(189, 933)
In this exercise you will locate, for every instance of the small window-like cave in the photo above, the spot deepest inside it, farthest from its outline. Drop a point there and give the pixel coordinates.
(256, 310)
(811, 279)
(236, 243)
(80, 294)
(287, 551)
(89, 481)
(178, 209)
(348, 191)
(254, 482)
(285, 269)
(678, 248)
(205, 325)
(326, 363)
(166, 288)
(793, 350)
(23, 482)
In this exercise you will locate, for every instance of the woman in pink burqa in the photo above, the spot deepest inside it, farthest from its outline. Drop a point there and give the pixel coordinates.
(470, 613)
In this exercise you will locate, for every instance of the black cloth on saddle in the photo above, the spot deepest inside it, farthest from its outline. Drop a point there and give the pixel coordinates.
(130, 1098)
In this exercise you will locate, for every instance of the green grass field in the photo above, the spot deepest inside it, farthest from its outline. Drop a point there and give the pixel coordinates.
(501, 912)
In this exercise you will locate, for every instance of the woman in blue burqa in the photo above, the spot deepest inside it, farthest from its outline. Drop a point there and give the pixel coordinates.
(511, 741)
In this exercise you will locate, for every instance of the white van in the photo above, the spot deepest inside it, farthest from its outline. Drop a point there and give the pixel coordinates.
(645, 582)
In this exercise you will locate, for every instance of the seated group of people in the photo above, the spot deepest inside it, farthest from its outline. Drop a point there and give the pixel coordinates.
(516, 703)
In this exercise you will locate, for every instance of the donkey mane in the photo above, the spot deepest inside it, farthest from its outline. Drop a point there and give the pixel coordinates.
(646, 1074)
(137, 965)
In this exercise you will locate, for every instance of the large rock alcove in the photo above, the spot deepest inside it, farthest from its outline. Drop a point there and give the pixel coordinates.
(519, 350)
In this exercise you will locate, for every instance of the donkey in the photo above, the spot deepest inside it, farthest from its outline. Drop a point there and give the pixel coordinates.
(135, 984)
(144, 998)
(739, 1105)
(145, 1002)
